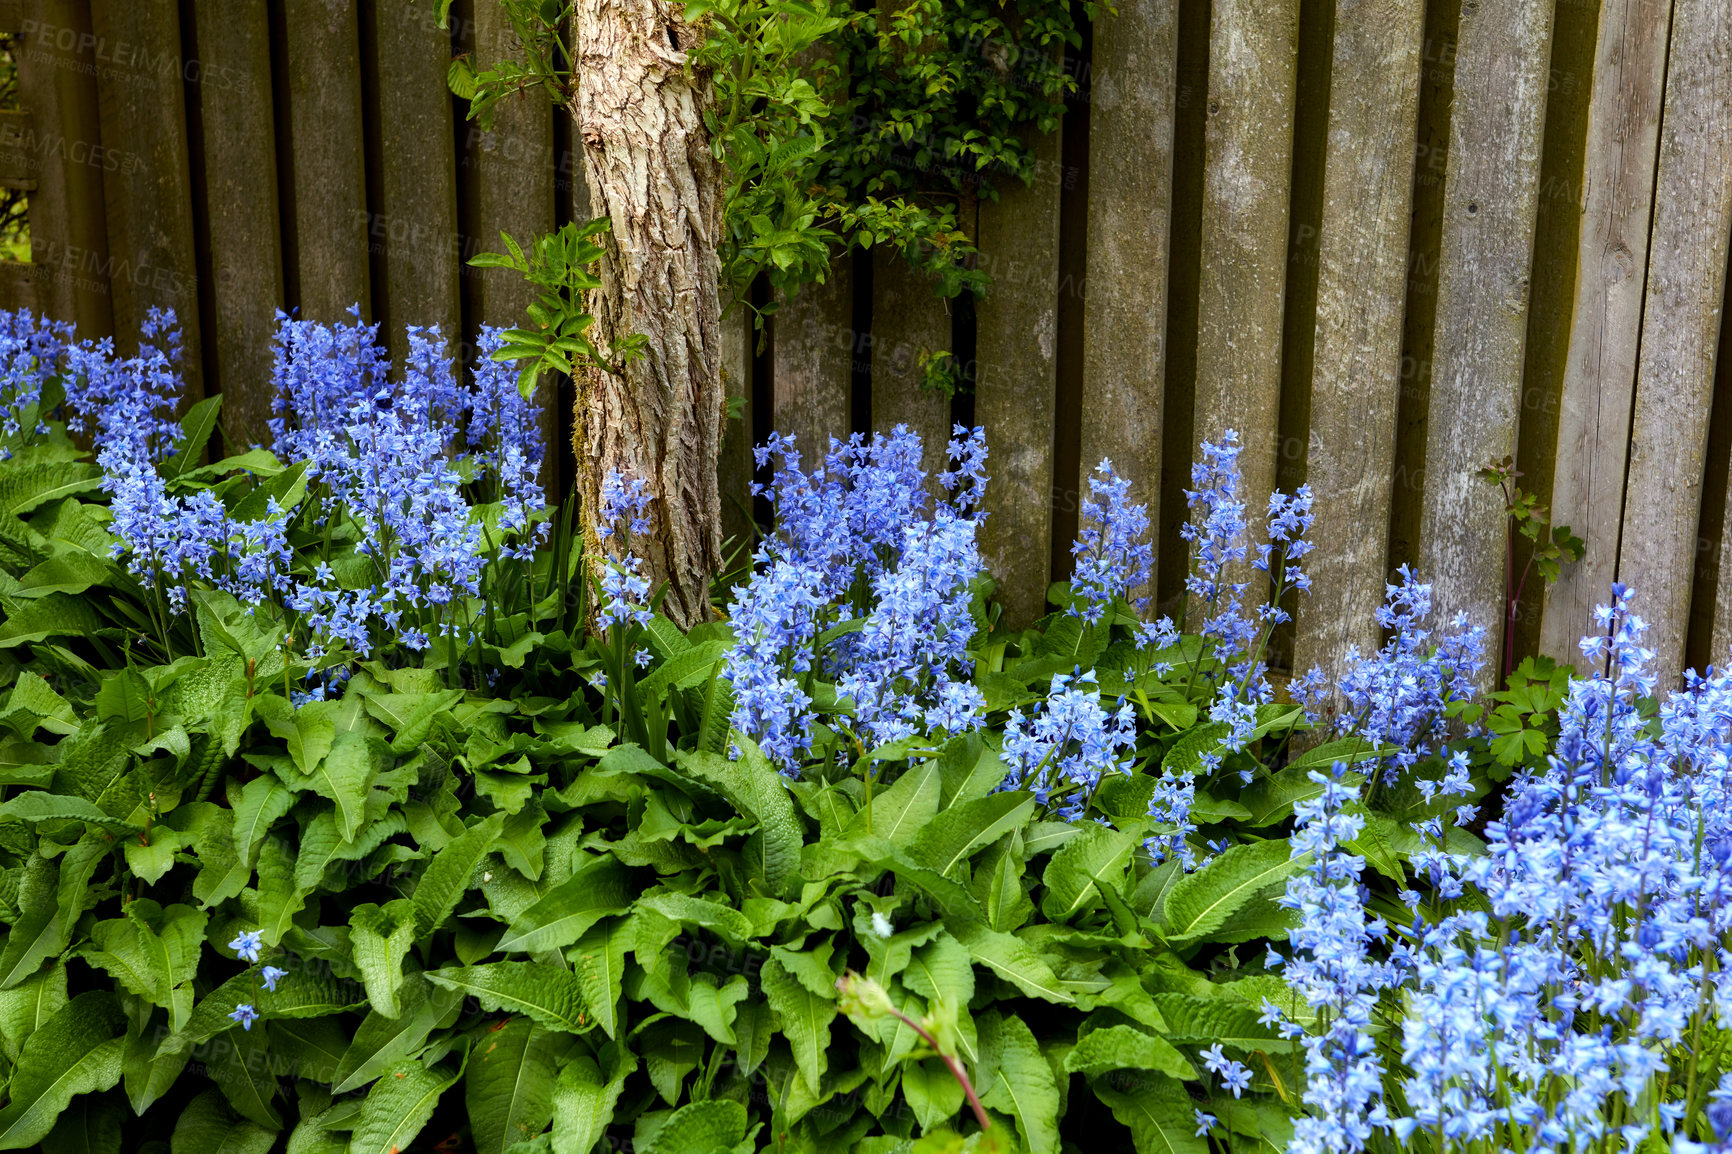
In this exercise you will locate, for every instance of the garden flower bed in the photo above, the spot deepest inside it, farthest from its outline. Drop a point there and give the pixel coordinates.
(351, 805)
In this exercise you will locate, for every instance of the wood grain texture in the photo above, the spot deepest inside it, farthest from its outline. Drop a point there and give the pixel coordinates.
(1356, 367)
(58, 137)
(151, 259)
(415, 219)
(1485, 257)
(735, 468)
(908, 322)
(1248, 143)
(1720, 636)
(327, 151)
(812, 360)
(1606, 323)
(233, 88)
(1016, 381)
(1130, 201)
(512, 195)
(1680, 329)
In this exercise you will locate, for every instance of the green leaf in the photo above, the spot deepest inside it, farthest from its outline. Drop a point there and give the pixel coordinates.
(400, 1103)
(1126, 1048)
(508, 1089)
(344, 776)
(305, 992)
(754, 786)
(1160, 1114)
(1094, 860)
(567, 911)
(1023, 1085)
(37, 934)
(380, 1042)
(447, 876)
(380, 937)
(1015, 961)
(700, 1128)
(93, 1128)
(583, 1102)
(27, 1006)
(196, 429)
(1203, 1021)
(551, 996)
(240, 1065)
(953, 835)
(78, 1051)
(598, 959)
(805, 1019)
(1200, 902)
(26, 487)
(898, 813)
(36, 806)
(152, 952)
(208, 1126)
(262, 801)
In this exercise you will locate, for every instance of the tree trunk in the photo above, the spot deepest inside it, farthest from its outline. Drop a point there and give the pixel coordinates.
(649, 169)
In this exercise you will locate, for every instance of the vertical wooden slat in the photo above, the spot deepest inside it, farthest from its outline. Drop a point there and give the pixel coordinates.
(1016, 371)
(1130, 200)
(1356, 367)
(736, 460)
(416, 215)
(1680, 328)
(152, 263)
(812, 347)
(1490, 199)
(327, 150)
(233, 88)
(66, 158)
(908, 322)
(515, 195)
(1248, 142)
(1606, 325)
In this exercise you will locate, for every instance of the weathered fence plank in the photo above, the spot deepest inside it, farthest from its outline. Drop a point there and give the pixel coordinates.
(514, 196)
(1356, 365)
(1490, 200)
(736, 462)
(151, 259)
(1132, 108)
(908, 322)
(1680, 328)
(327, 157)
(1248, 142)
(1015, 386)
(415, 215)
(233, 90)
(812, 355)
(1606, 326)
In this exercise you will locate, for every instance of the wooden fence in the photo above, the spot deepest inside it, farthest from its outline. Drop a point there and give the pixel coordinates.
(1386, 240)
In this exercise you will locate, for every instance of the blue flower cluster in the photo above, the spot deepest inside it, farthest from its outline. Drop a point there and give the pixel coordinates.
(867, 583)
(386, 460)
(1068, 744)
(32, 352)
(1553, 990)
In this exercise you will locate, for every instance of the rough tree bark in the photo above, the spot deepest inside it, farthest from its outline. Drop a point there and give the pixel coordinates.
(649, 169)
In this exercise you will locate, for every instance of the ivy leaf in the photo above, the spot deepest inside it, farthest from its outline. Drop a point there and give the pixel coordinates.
(1200, 902)
(400, 1103)
(551, 996)
(380, 937)
(77, 1051)
(806, 1021)
(567, 911)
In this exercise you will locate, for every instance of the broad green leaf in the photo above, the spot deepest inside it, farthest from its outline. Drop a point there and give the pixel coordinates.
(1160, 1114)
(1016, 962)
(730, 924)
(239, 1063)
(447, 875)
(400, 1103)
(583, 1101)
(1094, 860)
(262, 801)
(754, 786)
(27, 1006)
(93, 1128)
(279, 899)
(24, 487)
(37, 934)
(953, 835)
(1200, 902)
(898, 813)
(77, 1051)
(700, 1128)
(380, 1041)
(380, 938)
(806, 1021)
(312, 1048)
(568, 910)
(508, 1089)
(1203, 1021)
(147, 1076)
(1023, 1085)
(941, 968)
(344, 775)
(932, 1091)
(551, 996)
(305, 992)
(208, 1126)
(1271, 799)
(1126, 1048)
(196, 429)
(598, 960)
(152, 952)
(37, 806)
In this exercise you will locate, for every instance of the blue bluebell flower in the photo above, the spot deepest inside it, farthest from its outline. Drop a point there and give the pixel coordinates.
(247, 944)
(245, 1015)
